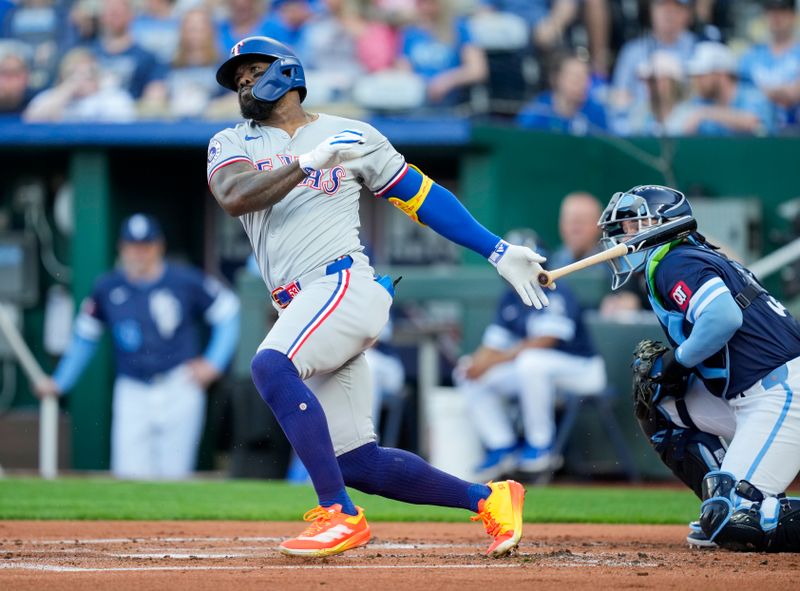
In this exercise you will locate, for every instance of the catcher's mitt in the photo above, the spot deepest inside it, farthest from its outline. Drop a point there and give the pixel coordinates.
(646, 390)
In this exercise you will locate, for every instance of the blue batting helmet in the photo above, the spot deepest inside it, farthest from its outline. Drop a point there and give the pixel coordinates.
(284, 73)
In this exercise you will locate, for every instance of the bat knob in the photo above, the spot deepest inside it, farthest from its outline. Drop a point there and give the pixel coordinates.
(544, 279)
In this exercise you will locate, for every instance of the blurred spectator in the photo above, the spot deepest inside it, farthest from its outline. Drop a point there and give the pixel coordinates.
(527, 354)
(395, 12)
(79, 95)
(15, 93)
(722, 105)
(713, 19)
(549, 21)
(5, 9)
(568, 108)
(84, 22)
(670, 20)
(39, 25)
(133, 68)
(292, 16)
(248, 18)
(578, 229)
(664, 110)
(439, 48)
(342, 42)
(156, 29)
(774, 67)
(191, 81)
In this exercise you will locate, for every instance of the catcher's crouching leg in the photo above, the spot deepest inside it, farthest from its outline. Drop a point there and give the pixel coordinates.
(690, 454)
(730, 528)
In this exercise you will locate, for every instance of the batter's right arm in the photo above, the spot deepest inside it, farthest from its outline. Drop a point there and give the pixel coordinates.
(239, 188)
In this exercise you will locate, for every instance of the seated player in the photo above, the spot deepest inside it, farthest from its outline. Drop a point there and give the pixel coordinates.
(730, 375)
(527, 354)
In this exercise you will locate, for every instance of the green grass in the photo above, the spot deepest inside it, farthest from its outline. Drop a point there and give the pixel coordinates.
(89, 498)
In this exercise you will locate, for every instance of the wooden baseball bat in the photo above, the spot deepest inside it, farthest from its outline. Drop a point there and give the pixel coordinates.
(655, 236)
(48, 418)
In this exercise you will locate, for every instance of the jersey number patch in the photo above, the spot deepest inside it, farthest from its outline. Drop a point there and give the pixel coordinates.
(681, 294)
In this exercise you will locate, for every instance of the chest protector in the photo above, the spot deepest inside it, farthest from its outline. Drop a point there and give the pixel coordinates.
(715, 370)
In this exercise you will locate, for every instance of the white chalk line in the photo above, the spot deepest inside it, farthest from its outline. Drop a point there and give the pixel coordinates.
(79, 569)
(270, 540)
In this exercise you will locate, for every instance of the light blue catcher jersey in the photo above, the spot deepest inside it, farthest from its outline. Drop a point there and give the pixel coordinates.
(687, 278)
(153, 325)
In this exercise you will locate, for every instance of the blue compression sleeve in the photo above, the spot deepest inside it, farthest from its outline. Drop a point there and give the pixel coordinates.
(439, 209)
(78, 355)
(222, 345)
(714, 327)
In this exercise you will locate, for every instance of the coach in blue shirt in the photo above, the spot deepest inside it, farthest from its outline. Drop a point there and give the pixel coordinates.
(152, 309)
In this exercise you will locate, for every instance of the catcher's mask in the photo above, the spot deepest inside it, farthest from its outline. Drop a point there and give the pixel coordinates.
(646, 205)
(285, 73)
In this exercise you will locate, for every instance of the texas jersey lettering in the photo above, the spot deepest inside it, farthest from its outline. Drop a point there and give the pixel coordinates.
(322, 210)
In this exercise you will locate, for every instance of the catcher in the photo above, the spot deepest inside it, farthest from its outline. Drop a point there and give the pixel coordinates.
(718, 405)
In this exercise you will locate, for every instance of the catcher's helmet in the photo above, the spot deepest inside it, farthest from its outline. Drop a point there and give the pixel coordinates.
(284, 73)
(653, 204)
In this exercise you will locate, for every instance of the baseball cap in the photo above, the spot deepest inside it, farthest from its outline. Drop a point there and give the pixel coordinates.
(140, 227)
(663, 64)
(710, 57)
(779, 4)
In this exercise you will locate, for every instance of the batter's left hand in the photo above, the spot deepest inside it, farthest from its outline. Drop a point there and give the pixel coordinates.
(520, 266)
(203, 373)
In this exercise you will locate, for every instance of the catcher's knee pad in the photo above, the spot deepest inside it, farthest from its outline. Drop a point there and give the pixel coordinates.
(786, 535)
(731, 528)
(690, 454)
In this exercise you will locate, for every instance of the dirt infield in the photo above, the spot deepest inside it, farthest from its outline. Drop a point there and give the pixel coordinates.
(241, 556)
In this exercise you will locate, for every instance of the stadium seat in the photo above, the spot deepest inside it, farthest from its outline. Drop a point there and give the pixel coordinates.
(505, 38)
(390, 91)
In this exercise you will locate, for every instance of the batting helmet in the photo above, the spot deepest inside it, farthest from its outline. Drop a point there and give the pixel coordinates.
(652, 203)
(284, 73)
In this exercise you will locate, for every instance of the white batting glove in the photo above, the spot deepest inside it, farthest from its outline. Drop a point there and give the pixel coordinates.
(520, 266)
(344, 146)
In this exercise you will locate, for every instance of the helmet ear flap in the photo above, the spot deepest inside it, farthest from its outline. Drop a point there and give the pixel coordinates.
(283, 75)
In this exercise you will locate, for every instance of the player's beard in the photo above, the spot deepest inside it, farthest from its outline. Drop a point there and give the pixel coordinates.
(252, 108)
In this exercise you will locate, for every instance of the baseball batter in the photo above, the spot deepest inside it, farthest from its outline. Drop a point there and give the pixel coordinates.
(732, 375)
(293, 179)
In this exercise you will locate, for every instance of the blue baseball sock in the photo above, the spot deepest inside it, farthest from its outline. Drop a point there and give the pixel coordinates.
(302, 419)
(400, 475)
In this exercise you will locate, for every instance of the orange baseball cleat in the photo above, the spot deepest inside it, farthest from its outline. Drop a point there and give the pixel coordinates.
(501, 514)
(330, 532)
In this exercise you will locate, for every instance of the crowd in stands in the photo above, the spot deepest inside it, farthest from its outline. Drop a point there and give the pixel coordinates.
(625, 67)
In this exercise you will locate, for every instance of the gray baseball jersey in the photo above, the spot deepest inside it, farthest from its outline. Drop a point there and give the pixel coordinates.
(334, 318)
(318, 220)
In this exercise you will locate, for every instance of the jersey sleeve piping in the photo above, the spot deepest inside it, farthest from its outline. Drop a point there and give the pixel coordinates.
(226, 162)
(396, 178)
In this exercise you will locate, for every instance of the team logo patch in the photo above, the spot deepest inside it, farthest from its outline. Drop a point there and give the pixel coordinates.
(214, 150)
(681, 294)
